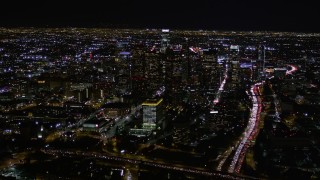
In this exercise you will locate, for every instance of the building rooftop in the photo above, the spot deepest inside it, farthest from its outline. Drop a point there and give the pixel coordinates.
(152, 102)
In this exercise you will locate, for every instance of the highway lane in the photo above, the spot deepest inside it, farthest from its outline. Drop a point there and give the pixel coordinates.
(292, 70)
(252, 128)
(250, 131)
(221, 88)
(137, 161)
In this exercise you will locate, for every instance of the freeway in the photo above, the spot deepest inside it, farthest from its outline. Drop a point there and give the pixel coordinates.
(252, 128)
(137, 161)
(250, 131)
(292, 70)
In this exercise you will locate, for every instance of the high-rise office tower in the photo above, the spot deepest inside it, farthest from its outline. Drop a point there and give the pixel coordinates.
(153, 115)
(164, 40)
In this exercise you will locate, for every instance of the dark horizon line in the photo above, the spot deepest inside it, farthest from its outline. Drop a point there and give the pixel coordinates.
(182, 27)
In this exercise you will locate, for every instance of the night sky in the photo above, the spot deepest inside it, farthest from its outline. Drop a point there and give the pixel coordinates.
(276, 15)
